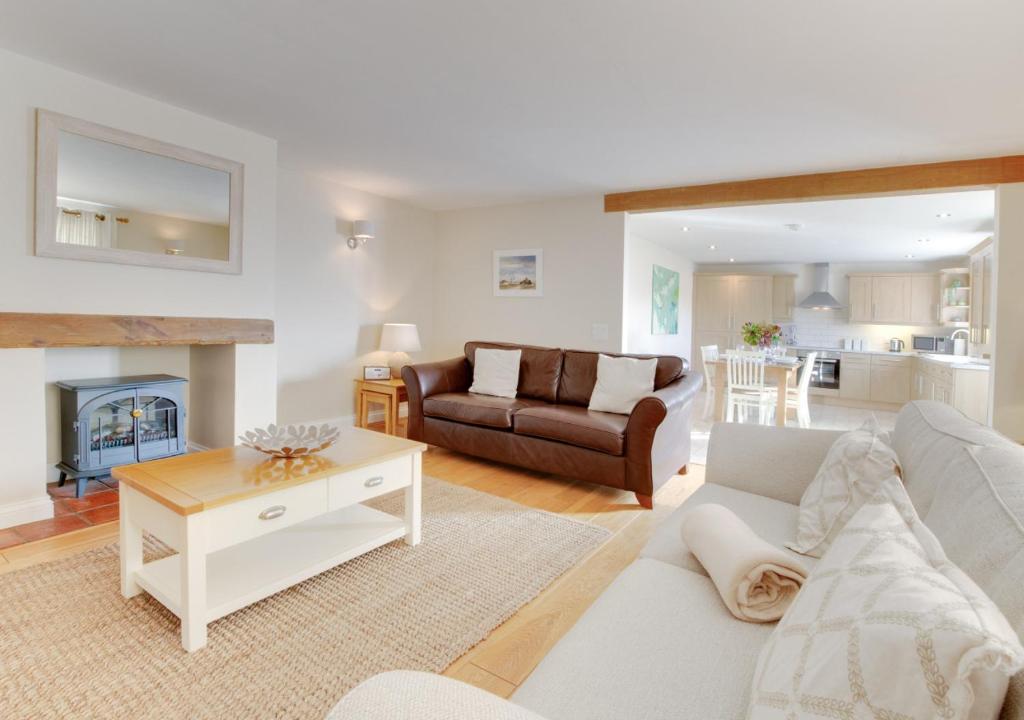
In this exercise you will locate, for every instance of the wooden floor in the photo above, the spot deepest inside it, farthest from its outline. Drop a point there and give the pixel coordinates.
(501, 662)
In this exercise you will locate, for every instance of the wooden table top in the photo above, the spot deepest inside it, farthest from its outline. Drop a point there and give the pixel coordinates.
(199, 481)
(384, 385)
(768, 363)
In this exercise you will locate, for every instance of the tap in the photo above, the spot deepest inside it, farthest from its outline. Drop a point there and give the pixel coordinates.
(953, 338)
(952, 335)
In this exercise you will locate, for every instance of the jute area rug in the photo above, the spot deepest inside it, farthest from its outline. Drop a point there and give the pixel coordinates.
(72, 647)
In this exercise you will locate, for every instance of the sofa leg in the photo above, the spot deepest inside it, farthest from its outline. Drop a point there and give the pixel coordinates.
(646, 501)
(682, 470)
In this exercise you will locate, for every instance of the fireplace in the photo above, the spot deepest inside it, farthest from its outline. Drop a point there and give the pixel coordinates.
(106, 422)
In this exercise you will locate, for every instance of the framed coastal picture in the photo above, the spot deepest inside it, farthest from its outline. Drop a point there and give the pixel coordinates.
(664, 301)
(518, 273)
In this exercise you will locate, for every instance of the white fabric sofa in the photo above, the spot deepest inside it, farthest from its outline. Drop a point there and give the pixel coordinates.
(659, 643)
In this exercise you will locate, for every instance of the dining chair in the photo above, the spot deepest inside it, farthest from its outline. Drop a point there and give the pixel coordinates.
(709, 354)
(797, 397)
(745, 388)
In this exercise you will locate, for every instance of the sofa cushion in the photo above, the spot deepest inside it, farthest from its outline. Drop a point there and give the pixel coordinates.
(772, 520)
(658, 643)
(601, 431)
(927, 438)
(579, 374)
(486, 410)
(539, 368)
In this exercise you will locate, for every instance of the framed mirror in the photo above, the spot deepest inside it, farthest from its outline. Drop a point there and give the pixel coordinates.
(110, 196)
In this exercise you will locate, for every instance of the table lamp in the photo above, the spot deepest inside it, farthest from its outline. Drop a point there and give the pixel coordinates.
(399, 339)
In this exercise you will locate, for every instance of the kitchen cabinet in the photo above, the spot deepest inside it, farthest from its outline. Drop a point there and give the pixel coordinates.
(964, 389)
(980, 326)
(855, 377)
(722, 304)
(890, 298)
(783, 297)
(924, 299)
(860, 298)
(894, 298)
(890, 379)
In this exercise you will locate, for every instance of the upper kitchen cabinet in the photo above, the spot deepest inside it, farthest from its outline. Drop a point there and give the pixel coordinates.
(860, 298)
(895, 298)
(924, 299)
(726, 302)
(752, 299)
(980, 334)
(783, 297)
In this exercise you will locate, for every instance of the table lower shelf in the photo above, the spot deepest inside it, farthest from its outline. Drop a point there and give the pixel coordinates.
(243, 574)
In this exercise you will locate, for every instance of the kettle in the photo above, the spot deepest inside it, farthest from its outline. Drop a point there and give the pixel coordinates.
(895, 345)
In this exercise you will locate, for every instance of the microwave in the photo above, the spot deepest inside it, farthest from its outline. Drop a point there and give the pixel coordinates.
(932, 344)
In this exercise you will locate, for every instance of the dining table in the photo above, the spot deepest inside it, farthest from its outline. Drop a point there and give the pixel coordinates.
(777, 372)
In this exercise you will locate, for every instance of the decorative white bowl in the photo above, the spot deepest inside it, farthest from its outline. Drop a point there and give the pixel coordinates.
(290, 441)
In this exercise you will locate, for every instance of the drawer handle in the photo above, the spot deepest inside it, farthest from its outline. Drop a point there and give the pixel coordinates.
(272, 512)
(374, 481)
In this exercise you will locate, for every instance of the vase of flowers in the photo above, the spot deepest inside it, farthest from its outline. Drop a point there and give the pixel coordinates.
(761, 336)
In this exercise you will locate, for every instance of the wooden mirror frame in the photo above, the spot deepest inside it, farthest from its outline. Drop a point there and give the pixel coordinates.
(48, 126)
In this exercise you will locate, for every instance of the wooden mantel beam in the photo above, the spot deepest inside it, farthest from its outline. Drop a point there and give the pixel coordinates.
(41, 330)
(931, 177)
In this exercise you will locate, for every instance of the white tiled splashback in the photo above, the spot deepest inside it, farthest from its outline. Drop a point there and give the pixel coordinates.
(828, 328)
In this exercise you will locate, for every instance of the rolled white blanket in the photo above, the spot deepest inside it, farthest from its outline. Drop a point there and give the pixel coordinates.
(757, 580)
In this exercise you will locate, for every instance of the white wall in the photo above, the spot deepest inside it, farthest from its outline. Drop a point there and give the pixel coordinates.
(1007, 388)
(584, 251)
(641, 256)
(39, 284)
(827, 328)
(331, 300)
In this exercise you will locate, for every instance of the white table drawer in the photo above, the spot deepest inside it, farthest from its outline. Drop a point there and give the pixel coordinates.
(247, 519)
(373, 480)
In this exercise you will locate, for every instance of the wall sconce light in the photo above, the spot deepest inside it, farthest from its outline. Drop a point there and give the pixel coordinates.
(362, 230)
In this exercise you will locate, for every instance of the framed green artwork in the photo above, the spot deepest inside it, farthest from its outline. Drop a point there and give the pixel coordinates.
(664, 301)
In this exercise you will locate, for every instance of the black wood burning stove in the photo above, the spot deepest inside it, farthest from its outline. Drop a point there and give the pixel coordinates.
(106, 422)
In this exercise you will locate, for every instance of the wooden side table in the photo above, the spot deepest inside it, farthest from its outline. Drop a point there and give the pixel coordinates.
(389, 393)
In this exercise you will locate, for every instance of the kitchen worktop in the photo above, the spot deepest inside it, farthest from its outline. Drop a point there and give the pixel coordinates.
(957, 362)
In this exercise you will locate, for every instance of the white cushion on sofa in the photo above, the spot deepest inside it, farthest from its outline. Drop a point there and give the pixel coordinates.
(773, 520)
(658, 643)
(886, 625)
(496, 372)
(621, 383)
(855, 467)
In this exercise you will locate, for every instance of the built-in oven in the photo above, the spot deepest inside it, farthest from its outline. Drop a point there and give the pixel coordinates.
(825, 373)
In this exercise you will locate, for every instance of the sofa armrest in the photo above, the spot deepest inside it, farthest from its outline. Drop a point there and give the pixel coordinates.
(776, 462)
(658, 435)
(426, 379)
(408, 695)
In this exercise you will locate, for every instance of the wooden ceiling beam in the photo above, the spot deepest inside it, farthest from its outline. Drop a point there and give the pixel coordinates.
(900, 179)
(40, 330)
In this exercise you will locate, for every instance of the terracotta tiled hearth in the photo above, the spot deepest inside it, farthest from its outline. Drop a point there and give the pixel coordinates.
(98, 505)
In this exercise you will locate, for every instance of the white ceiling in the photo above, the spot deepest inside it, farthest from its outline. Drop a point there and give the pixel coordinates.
(859, 230)
(454, 103)
(100, 172)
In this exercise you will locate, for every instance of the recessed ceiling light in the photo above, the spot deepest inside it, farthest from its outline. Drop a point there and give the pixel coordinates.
(793, 226)
(712, 247)
(909, 256)
(943, 215)
(924, 240)
(686, 229)
(732, 259)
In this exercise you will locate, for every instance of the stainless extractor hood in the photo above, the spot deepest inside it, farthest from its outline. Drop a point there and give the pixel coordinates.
(821, 299)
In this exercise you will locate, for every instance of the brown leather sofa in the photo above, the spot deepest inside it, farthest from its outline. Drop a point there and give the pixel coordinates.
(547, 426)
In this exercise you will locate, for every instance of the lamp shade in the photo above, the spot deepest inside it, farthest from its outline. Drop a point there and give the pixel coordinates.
(399, 337)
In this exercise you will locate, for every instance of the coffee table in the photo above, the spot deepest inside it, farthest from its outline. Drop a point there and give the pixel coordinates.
(247, 526)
